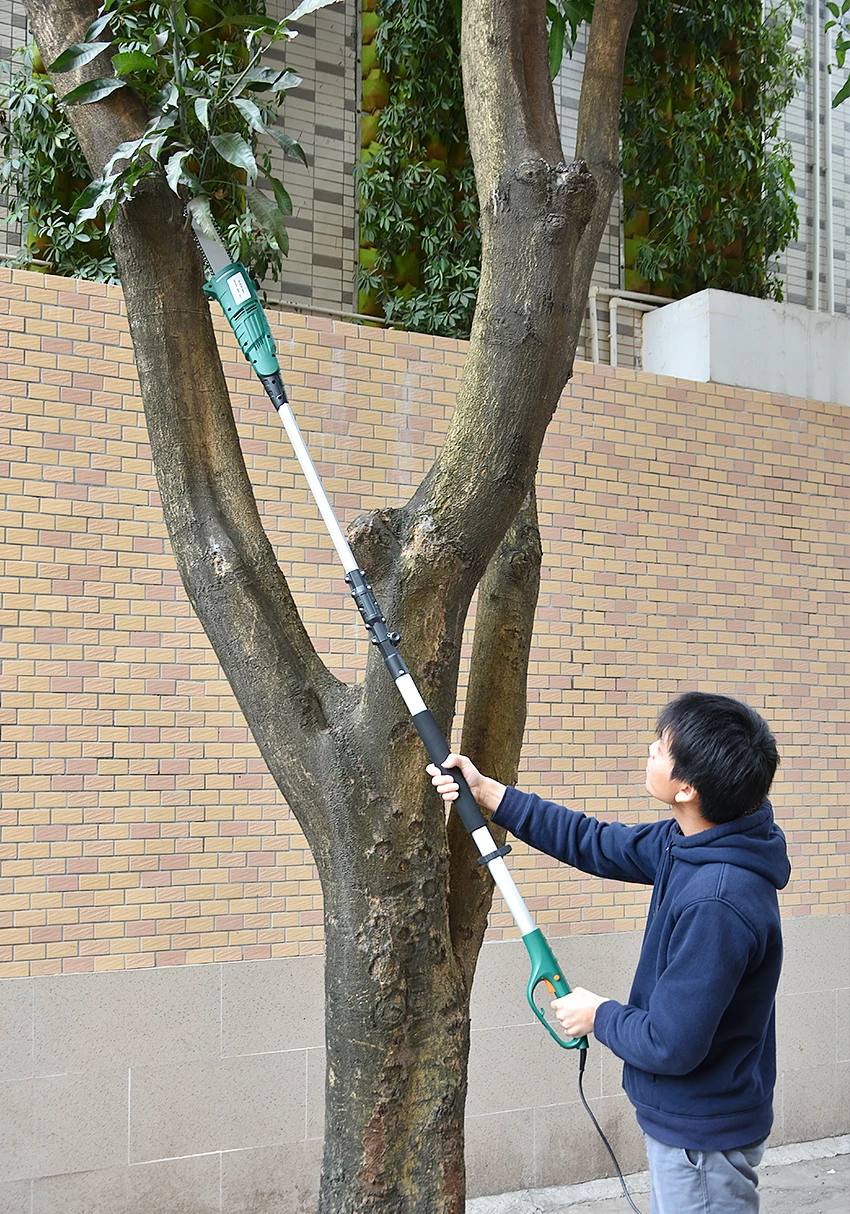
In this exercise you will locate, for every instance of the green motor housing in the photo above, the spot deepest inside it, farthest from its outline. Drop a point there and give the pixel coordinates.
(235, 291)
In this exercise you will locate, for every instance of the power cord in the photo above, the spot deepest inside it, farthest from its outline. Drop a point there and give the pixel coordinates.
(581, 1065)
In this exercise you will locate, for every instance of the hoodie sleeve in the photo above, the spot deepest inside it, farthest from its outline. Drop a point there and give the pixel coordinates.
(707, 955)
(606, 849)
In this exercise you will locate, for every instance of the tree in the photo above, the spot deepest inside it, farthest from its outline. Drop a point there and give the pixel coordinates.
(405, 905)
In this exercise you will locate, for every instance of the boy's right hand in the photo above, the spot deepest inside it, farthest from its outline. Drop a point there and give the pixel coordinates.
(488, 793)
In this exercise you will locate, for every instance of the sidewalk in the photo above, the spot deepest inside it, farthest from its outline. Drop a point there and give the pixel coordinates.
(803, 1178)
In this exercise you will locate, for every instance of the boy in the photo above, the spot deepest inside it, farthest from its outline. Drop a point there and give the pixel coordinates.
(697, 1035)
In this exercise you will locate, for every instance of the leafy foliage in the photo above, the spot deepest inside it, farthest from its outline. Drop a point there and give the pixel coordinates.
(707, 183)
(42, 173)
(213, 120)
(840, 22)
(564, 17)
(420, 244)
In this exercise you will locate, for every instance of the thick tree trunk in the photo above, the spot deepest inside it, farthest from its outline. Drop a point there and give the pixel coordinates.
(405, 906)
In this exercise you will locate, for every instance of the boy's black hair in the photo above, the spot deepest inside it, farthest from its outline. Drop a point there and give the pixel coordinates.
(723, 748)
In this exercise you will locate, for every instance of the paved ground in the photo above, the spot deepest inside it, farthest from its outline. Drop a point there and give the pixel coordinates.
(804, 1178)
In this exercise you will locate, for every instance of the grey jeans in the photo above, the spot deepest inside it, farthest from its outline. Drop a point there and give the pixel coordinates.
(703, 1182)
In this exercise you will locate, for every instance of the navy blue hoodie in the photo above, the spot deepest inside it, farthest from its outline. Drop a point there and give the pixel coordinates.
(697, 1035)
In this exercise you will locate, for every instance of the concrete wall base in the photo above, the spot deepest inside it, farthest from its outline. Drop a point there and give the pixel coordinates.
(199, 1089)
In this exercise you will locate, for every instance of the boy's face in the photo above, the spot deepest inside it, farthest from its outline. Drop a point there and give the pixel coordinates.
(659, 765)
(682, 798)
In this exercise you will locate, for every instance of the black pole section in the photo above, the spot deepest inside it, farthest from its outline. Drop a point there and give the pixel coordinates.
(273, 385)
(376, 625)
(436, 745)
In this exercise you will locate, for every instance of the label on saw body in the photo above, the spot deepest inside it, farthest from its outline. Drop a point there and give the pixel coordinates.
(239, 288)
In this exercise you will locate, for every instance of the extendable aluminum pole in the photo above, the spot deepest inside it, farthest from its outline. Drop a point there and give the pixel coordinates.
(231, 285)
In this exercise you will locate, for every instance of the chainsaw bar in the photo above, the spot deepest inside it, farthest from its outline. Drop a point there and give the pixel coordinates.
(213, 252)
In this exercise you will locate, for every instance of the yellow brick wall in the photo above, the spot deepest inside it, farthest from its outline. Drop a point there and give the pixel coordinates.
(693, 538)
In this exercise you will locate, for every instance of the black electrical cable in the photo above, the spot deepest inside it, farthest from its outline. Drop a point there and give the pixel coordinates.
(581, 1064)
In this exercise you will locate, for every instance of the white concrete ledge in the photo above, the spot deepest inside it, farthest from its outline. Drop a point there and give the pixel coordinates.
(717, 337)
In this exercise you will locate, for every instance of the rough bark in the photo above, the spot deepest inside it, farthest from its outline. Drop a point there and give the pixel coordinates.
(401, 936)
(598, 134)
(494, 720)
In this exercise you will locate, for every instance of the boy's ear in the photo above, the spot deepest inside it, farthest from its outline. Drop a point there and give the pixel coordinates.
(686, 793)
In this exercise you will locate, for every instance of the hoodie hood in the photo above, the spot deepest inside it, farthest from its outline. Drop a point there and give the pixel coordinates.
(753, 842)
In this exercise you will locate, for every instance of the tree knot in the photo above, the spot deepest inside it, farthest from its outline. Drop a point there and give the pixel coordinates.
(374, 541)
(576, 183)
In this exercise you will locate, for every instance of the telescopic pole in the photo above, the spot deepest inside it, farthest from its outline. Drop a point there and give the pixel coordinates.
(232, 286)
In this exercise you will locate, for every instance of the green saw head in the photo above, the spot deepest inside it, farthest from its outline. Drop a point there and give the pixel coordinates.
(235, 291)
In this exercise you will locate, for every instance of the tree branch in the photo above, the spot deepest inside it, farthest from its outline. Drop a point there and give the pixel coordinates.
(533, 210)
(494, 721)
(598, 134)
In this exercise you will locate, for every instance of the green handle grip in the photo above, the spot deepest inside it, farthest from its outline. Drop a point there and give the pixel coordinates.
(234, 290)
(545, 971)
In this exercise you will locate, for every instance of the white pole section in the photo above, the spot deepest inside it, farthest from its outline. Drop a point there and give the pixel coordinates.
(309, 470)
(485, 843)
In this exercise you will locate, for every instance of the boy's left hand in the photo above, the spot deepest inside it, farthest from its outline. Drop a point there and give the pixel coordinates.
(576, 1012)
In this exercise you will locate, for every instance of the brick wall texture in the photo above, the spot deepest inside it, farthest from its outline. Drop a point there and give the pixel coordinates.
(694, 536)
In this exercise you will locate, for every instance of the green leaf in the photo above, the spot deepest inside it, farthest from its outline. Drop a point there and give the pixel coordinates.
(290, 146)
(269, 216)
(126, 62)
(93, 198)
(157, 42)
(97, 26)
(307, 6)
(92, 90)
(281, 197)
(251, 112)
(269, 78)
(77, 56)
(842, 94)
(235, 151)
(157, 142)
(124, 151)
(174, 168)
(202, 111)
(92, 191)
(168, 95)
(286, 80)
(557, 32)
(201, 211)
